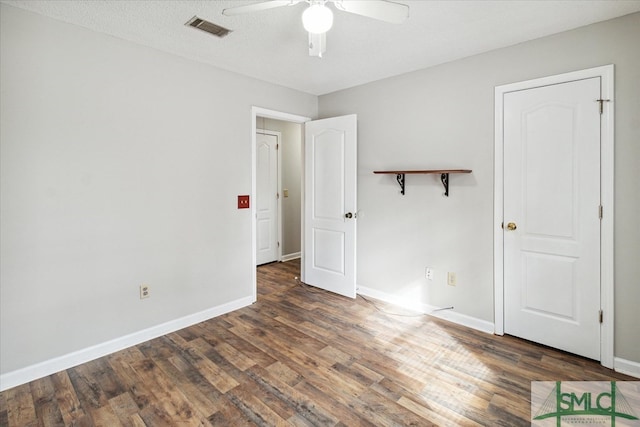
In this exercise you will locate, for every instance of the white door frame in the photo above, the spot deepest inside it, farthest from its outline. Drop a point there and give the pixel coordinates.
(269, 114)
(606, 73)
(278, 236)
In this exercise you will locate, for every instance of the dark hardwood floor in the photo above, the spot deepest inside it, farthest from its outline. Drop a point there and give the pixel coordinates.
(304, 357)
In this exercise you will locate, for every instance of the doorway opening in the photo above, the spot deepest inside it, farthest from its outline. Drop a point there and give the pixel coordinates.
(291, 172)
(278, 190)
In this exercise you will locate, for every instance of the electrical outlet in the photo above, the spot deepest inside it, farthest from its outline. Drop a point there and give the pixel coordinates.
(451, 278)
(428, 274)
(145, 291)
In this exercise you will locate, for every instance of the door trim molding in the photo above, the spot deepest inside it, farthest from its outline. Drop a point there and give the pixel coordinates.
(268, 114)
(606, 73)
(279, 224)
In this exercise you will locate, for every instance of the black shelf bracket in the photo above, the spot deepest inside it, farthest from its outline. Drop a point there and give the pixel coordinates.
(445, 181)
(444, 176)
(400, 179)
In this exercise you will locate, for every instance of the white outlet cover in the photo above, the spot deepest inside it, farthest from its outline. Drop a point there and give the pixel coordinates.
(145, 291)
(429, 273)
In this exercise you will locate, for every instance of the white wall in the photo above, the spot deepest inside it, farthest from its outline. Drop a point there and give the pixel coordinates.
(442, 117)
(291, 174)
(120, 165)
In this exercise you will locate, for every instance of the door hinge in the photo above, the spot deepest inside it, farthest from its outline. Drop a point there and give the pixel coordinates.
(600, 211)
(602, 101)
(278, 244)
(278, 145)
(600, 316)
(277, 196)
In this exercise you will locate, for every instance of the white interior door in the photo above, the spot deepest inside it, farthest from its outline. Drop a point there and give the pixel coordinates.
(552, 215)
(267, 246)
(330, 204)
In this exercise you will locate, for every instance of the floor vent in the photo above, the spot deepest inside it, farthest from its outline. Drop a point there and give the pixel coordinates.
(207, 26)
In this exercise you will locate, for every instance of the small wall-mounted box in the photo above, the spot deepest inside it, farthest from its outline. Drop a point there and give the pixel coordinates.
(243, 202)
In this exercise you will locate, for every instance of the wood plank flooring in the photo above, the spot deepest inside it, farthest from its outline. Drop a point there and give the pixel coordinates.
(303, 357)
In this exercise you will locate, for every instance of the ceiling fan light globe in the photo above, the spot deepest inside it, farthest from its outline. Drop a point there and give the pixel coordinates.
(317, 19)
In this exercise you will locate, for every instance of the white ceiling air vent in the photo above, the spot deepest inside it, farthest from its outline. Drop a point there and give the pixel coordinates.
(207, 26)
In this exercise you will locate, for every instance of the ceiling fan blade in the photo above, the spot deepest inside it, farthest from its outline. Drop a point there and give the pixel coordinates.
(256, 7)
(382, 10)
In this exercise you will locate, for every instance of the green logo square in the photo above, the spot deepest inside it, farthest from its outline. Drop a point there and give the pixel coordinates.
(575, 403)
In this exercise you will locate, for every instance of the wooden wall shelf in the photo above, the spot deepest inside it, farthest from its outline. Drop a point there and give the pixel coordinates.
(444, 176)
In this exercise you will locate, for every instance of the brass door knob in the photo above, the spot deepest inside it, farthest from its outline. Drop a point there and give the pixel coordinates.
(511, 226)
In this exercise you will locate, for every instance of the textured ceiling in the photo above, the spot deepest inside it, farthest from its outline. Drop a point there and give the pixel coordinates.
(271, 45)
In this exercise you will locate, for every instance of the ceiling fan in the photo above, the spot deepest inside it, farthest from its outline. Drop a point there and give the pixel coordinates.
(317, 19)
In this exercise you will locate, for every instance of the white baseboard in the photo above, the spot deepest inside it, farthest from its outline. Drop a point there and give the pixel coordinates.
(450, 315)
(627, 367)
(33, 372)
(289, 257)
(40, 370)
